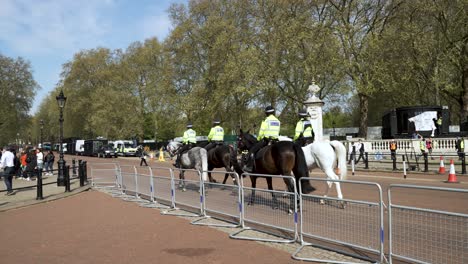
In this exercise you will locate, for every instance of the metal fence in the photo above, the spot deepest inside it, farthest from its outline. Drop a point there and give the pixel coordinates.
(422, 235)
(415, 234)
(223, 200)
(187, 191)
(270, 208)
(105, 175)
(354, 223)
(162, 186)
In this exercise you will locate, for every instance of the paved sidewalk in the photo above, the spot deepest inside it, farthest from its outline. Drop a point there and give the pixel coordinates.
(27, 196)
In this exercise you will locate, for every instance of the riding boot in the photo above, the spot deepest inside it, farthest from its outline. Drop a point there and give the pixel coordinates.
(248, 167)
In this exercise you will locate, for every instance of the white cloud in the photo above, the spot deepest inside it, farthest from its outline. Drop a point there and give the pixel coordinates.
(46, 26)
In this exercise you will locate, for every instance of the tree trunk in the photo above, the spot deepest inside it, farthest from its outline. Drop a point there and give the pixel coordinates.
(363, 110)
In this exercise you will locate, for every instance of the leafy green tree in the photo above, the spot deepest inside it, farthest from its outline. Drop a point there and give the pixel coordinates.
(17, 91)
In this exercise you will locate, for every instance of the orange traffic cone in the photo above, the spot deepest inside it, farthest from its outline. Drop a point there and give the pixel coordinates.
(452, 178)
(442, 167)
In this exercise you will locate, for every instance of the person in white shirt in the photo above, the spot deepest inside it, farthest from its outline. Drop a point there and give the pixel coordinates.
(7, 162)
(40, 158)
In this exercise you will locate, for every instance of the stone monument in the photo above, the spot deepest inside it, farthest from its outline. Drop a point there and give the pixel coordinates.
(314, 108)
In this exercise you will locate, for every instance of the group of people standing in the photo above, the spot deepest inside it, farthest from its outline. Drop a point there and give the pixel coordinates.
(268, 133)
(24, 165)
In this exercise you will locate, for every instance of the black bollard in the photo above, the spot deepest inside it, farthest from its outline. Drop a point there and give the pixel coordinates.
(80, 174)
(67, 178)
(426, 162)
(39, 185)
(74, 167)
(366, 161)
(463, 163)
(85, 172)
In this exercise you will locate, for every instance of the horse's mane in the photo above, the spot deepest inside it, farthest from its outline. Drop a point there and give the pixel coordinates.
(249, 137)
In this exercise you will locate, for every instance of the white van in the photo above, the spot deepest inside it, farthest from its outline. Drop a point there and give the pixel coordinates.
(125, 147)
(79, 147)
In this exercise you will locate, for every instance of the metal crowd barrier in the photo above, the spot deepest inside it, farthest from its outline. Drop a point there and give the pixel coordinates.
(104, 175)
(422, 235)
(128, 173)
(280, 215)
(187, 192)
(222, 200)
(161, 187)
(354, 223)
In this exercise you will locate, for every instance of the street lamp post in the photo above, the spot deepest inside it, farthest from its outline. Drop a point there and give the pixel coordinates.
(61, 100)
(42, 127)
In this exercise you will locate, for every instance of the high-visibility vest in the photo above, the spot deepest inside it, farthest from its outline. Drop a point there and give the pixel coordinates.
(422, 145)
(190, 136)
(393, 146)
(216, 134)
(439, 121)
(304, 126)
(270, 128)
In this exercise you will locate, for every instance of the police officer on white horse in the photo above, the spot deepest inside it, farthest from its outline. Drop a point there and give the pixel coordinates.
(216, 135)
(304, 132)
(269, 133)
(189, 140)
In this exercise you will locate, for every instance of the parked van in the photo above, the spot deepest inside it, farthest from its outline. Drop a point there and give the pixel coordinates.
(79, 147)
(92, 146)
(57, 147)
(125, 147)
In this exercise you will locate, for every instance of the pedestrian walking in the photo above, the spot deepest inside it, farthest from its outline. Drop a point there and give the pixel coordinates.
(7, 163)
(31, 164)
(143, 155)
(49, 163)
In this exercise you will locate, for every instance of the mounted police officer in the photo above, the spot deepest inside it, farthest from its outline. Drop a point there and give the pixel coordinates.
(269, 132)
(216, 135)
(189, 140)
(304, 132)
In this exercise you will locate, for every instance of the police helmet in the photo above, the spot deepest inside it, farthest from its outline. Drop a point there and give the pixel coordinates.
(303, 113)
(189, 125)
(269, 110)
(216, 121)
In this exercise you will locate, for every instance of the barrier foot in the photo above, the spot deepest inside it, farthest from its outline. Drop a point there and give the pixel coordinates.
(132, 198)
(153, 204)
(173, 211)
(237, 235)
(353, 258)
(222, 224)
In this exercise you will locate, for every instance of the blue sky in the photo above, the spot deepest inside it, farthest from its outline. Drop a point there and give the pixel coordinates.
(48, 33)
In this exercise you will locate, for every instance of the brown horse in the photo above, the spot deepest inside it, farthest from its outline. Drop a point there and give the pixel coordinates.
(280, 158)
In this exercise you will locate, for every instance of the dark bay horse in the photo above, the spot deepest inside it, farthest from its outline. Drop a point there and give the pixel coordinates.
(223, 156)
(280, 158)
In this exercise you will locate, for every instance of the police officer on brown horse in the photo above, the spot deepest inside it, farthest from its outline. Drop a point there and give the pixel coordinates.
(216, 135)
(304, 132)
(269, 132)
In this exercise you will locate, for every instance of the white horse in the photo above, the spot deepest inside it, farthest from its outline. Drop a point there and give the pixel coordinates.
(196, 158)
(324, 155)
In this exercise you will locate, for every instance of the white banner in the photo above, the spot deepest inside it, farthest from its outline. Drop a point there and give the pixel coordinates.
(424, 121)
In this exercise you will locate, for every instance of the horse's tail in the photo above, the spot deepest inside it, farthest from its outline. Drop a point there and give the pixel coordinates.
(300, 169)
(204, 163)
(235, 164)
(340, 152)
